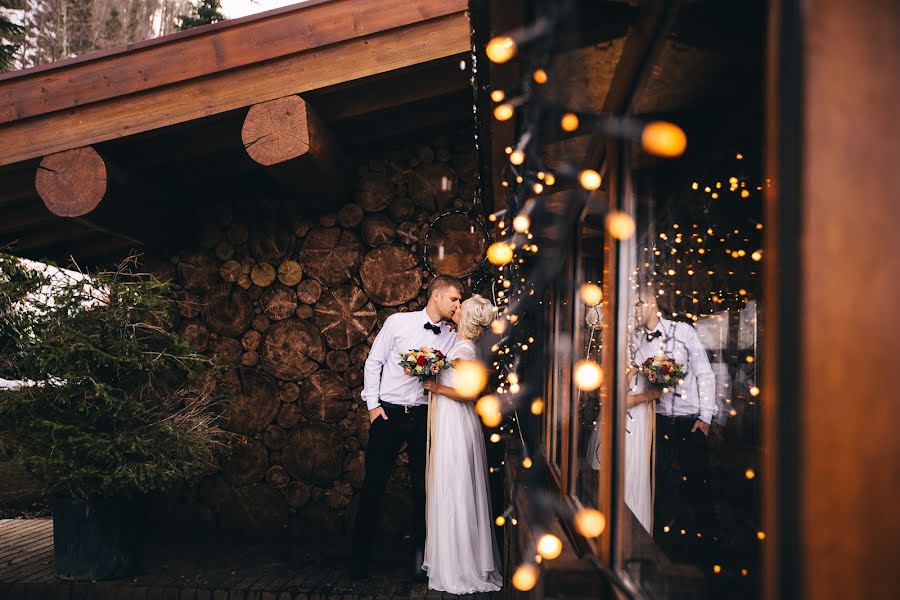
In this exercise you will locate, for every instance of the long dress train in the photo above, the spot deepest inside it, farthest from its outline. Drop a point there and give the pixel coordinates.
(461, 554)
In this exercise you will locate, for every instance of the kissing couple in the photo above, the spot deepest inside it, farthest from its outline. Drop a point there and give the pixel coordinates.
(453, 536)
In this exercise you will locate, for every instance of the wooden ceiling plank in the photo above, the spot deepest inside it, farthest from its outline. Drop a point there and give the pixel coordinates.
(197, 98)
(108, 75)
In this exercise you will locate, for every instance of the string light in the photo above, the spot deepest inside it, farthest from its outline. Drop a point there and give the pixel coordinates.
(521, 223)
(500, 521)
(590, 179)
(569, 122)
(549, 546)
(591, 294)
(588, 375)
(498, 95)
(471, 377)
(488, 408)
(504, 112)
(501, 49)
(499, 253)
(620, 225)
(663, 139)
(537, 406)
(525, 577)
(517, 158)
(590, 522)
(540, 76)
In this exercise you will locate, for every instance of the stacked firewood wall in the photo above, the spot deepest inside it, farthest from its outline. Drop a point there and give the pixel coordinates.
(290, 302)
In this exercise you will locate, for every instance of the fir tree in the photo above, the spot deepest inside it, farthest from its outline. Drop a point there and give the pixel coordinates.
(11, 37)
(203, 13)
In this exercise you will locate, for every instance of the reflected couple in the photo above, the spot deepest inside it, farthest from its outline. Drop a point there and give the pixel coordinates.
(670, 405)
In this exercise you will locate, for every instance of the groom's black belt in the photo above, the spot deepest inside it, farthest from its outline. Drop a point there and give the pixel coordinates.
(389, 408)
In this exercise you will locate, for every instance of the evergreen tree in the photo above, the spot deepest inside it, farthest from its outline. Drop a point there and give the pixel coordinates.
(11, 37)
(203, 13)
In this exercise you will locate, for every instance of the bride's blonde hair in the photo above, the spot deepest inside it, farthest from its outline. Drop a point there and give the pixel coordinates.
(478, 313)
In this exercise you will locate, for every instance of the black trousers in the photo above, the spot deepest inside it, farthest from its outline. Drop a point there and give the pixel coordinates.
(385, 440)
(683, 495)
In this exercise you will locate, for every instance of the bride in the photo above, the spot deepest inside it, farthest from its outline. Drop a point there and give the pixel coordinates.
(461, 554)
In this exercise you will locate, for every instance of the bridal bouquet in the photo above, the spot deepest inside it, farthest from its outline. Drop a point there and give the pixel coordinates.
(424, 362)
(663, 371)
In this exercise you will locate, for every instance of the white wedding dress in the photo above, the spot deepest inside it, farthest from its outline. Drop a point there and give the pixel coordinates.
(461, 554)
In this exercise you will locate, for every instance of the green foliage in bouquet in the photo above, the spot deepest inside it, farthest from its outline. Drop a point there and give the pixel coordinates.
(115, 403)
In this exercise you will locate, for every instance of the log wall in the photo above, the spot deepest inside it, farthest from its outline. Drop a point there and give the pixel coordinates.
(290, 302)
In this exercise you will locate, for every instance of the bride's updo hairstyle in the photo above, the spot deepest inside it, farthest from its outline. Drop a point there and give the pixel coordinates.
(478, 313)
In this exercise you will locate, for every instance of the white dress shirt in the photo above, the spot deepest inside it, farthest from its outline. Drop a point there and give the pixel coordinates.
(385, 380)
(679, 342)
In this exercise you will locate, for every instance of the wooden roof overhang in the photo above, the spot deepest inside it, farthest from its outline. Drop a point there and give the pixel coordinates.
(166, 114)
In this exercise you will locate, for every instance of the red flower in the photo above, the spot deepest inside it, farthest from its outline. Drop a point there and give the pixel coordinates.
(664, 369)
(421, 361)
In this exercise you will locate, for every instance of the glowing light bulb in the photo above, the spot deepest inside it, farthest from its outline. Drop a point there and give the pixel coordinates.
(471, 377)
(549, 546)
(569, 122)
(517, 158)
(760, 535)
(620, 225)
(590, 179)
(500, 253)
(745, 194)
(663, 139)
(495, 437)
(538, 188)
(498, 326)
(537, 406)
(500, 49)
(527, 462)
(488, 408)
(550, 179)
(498, 95)
(757, 256)
(504, 112)
(525, 577)
(591, 294)
(501, 520)
(590, 522)
(540, 76)
(717, 569)
(588, 375)
(754, 391)
(750, 474)
(521, 223)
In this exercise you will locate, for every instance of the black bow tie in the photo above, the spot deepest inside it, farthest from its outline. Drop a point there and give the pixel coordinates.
(435, 329)
(653, 334)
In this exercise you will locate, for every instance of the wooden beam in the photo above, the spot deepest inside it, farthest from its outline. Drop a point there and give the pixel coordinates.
(72, 182)
(420, 82)
(14, 222)
(295, 146)
(230, 45)
(197, 98)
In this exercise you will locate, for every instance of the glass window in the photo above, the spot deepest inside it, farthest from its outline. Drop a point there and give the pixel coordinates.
(585, 484)
(690, 280)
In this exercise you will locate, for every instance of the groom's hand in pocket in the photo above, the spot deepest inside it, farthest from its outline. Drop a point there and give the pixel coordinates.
(375, 413)
(702, 426)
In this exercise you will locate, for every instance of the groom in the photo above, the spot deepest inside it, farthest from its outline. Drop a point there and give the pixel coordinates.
(398, 412)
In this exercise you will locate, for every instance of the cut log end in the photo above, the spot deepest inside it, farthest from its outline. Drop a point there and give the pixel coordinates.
(71, 183)
(276, 131)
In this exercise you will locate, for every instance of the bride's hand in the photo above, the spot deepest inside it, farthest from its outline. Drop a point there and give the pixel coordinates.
(431, 385)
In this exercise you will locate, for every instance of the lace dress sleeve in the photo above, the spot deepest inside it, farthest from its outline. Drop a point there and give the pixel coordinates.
(463, 350)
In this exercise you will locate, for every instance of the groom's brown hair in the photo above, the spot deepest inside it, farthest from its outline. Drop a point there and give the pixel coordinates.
(444, 281)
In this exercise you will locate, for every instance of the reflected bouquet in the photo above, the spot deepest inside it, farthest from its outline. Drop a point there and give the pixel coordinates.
(424, 362)
(662, 371)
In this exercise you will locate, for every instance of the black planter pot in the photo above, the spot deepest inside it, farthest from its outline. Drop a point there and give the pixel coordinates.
(95, 539)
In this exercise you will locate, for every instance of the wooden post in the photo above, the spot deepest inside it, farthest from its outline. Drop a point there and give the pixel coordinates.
(287, 137)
